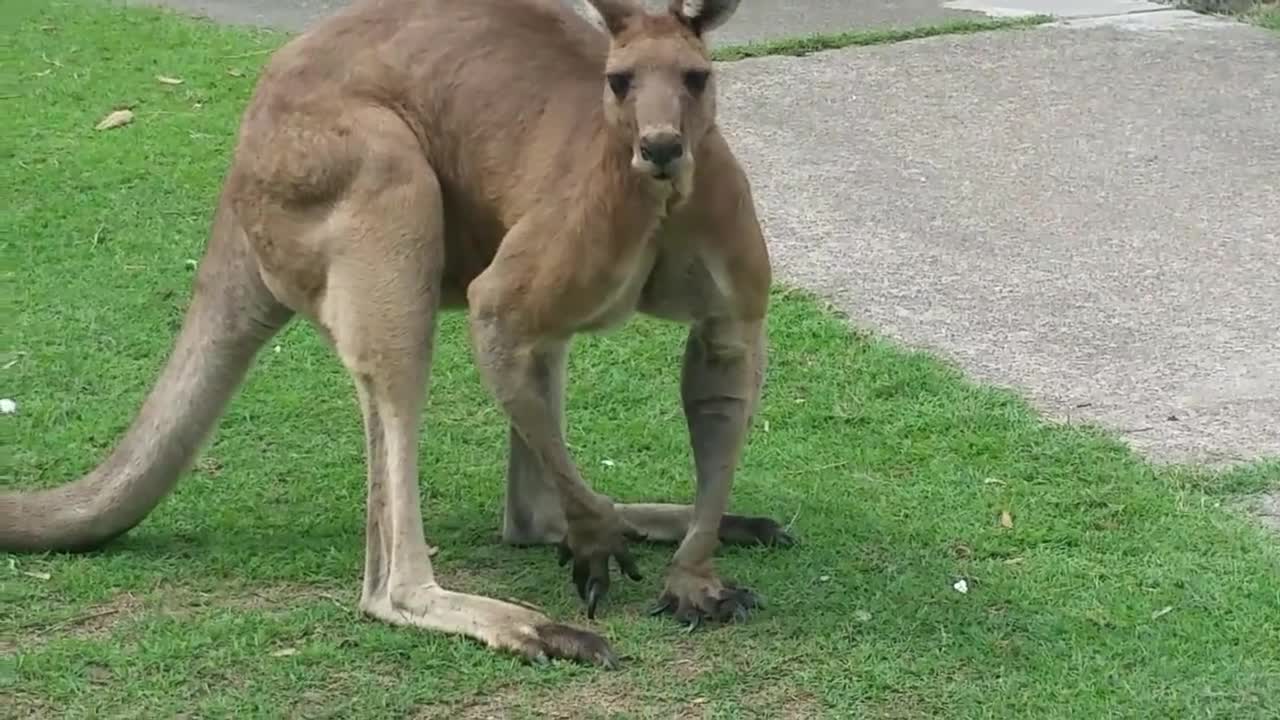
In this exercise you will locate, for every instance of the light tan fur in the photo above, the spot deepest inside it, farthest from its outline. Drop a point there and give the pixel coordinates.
(408, 156)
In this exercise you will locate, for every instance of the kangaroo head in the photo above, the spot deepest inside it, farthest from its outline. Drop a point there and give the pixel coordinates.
(658, 88)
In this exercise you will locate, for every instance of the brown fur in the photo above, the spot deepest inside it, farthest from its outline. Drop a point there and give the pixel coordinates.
(408, 156)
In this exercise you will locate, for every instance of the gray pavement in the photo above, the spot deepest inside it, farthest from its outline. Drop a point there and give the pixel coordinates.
(291, 15)
(1087, 212)
(758, 20)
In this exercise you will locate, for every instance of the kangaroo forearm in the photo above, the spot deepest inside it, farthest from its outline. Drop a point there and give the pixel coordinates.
(718, 390)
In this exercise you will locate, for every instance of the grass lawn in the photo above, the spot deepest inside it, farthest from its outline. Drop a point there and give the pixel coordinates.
(1265, 13)
(807, 44)
(1268, 16)
(1120, 590)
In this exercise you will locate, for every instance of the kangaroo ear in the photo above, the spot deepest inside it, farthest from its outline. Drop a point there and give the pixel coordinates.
(614, 13)
(703, 15)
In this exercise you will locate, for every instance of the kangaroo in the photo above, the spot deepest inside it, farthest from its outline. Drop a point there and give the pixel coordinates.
(506, 158)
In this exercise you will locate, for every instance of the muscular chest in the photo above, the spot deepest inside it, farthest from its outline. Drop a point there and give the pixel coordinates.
(622, 289)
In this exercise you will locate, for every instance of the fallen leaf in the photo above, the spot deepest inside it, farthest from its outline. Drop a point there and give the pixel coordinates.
(824, 578)
(1162, 612)
(116, 119)
(168, 80)
(993, 481)
(286, 652)
(235, 72)
(608, 463)
(37, 575)
(432, 550)
(7, 406)
(1006, 520)
(961, 586)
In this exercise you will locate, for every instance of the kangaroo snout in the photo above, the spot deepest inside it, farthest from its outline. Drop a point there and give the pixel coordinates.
(660, 152)
(662, 148)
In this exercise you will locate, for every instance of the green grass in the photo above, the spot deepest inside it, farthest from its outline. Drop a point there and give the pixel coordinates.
(1268, 17)
(1265, 13)
(805, 45)
(236, 597)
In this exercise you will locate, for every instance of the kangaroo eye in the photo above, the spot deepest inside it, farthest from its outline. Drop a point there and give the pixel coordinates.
(696, 80)
(619, 83)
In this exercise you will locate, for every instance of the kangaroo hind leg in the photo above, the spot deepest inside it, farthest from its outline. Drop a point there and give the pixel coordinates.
(379, 310)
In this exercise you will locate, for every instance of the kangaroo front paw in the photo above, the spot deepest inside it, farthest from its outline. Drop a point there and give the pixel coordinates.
(693, 597)
(592, 540)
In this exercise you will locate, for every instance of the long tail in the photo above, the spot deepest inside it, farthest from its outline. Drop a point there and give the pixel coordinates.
(231, 315)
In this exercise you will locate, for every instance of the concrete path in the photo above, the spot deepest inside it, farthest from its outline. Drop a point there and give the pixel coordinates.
(755, 20)
(1088, 212)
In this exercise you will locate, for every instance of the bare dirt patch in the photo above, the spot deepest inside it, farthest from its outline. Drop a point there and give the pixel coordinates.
(617, 695)
(105, 619)
(781, 701)
(96, 622)
(24, 705)
(628, 693)
(1266, 508)
(265, 598)
(600, 694)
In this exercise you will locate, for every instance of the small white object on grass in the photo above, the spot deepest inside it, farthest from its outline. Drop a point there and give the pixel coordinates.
(8, 407)
(115, 120)
(961, 586)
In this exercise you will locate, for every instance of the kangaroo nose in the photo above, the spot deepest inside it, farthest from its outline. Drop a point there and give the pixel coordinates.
(661, 149)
